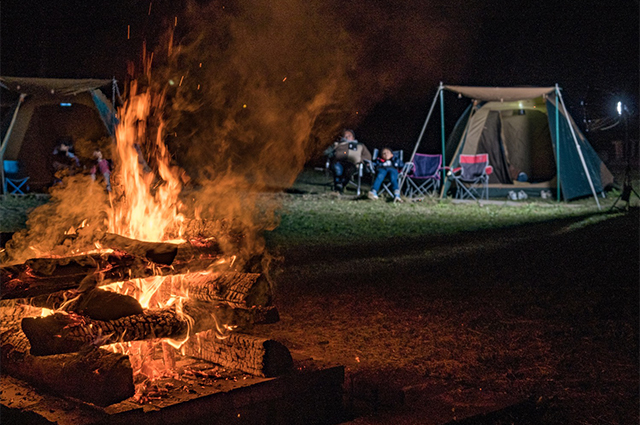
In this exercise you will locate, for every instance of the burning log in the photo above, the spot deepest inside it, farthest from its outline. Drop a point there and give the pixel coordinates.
(46, 275)
(250, 354)
(93, 375)
(10, 316)
(163, 252)
(240, 290)
(95, 303)
(66, 333)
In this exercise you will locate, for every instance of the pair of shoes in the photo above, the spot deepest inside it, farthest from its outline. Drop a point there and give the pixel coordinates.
(372, 195)
(522, 195)
(545, 194)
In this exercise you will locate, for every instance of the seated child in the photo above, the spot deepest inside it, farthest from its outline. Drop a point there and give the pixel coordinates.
(386, 165)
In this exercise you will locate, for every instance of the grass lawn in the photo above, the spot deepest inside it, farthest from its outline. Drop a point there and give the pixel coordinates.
(441, 311)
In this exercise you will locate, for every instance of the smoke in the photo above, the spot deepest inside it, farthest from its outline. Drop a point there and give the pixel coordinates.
(257, 88)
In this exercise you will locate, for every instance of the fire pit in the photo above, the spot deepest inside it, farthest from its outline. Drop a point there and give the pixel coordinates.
(74, 327)
(141, 315)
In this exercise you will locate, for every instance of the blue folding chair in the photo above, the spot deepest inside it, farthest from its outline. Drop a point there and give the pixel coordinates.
(14, 182)
(386, 185)
(424, 175)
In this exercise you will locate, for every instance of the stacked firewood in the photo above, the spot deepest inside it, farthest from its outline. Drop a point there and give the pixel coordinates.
(219, 304)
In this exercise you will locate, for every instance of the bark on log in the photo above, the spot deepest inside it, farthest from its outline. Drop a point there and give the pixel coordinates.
(240, 290)
(96, 376)
(250, 354)
(46, 275)
(95, 304)
(163, 252)
(67, 333)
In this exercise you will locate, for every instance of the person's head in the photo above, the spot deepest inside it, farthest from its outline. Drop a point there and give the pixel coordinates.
(97, 154)
(386, 154)
(348, 135)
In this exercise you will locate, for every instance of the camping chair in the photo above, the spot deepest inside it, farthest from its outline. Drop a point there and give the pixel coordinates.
(355, 180)
(14, 182)
(424, 175)
(472, 177)
(386, 185)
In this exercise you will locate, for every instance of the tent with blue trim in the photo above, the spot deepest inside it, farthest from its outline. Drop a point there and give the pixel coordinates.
(531, 140)
(43, 112)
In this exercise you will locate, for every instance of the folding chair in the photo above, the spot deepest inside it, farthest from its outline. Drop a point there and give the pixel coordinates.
(423, 175)
(355, 179)
(386, 185)
(14, 182)
(472, 177)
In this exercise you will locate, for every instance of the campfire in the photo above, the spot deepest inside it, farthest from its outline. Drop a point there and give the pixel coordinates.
(102, 318)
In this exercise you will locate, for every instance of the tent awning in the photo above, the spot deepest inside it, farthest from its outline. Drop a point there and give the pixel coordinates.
(51, 86)
(500, 94)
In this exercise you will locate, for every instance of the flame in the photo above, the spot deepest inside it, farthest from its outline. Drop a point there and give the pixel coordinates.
(149, 204)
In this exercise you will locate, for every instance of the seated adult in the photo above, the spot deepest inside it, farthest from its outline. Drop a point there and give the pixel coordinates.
(386, 165)
(345, 155)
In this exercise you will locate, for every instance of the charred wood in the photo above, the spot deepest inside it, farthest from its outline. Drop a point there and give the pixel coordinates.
(46, 275)
(67, 333)
(250, 354)
(95, 304)
(240, 290)
(94, 375)
(162, 252)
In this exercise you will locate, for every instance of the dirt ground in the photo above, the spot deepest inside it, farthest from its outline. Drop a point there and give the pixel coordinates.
(536, 324)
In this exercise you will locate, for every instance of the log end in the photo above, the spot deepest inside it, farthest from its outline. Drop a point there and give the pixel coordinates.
(277, 359)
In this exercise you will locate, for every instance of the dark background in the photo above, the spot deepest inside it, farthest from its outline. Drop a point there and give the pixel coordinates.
(589, 48)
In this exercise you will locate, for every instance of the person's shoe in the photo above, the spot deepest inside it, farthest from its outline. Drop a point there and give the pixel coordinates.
(522, 195)
(513, 195)
(372, 195)
(398, 200)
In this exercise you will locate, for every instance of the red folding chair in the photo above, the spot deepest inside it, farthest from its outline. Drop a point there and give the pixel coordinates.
(472, 176)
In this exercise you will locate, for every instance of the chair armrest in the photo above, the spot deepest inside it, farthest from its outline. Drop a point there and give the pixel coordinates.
(453, 171)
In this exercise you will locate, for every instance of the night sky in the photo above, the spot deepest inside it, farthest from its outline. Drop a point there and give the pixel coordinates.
(402, 48)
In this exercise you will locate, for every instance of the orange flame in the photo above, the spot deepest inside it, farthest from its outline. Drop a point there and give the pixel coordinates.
(149, 205)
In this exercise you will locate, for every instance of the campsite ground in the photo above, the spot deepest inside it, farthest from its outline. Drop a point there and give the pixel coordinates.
(535, 322)
(443, 311)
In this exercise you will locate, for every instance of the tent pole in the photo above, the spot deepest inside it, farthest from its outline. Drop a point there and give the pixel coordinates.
(5, 141)
(557, 146)
(575, 140)
(442, 131)
(424, 127)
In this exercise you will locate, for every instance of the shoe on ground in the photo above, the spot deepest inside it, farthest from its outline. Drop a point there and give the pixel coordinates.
(522, 195)
(372, 195)
(513, 195)
(398, 200)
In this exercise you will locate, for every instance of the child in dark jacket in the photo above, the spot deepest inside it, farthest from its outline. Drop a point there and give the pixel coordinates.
(386, 165)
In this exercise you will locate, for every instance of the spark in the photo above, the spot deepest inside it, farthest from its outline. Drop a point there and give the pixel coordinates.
(128, 32)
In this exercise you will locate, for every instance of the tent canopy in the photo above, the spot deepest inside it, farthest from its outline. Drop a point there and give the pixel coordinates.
(46, 112)
(501, 94)
(532, 141)
(51, 86)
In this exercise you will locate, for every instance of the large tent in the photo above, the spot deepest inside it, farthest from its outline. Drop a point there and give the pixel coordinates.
(45, 111)
(527, 132)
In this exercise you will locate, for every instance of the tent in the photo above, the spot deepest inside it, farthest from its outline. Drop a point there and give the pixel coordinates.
(531, 140)
(44, 112)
